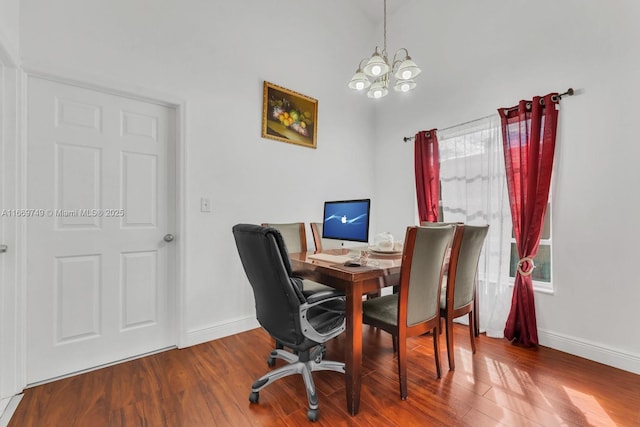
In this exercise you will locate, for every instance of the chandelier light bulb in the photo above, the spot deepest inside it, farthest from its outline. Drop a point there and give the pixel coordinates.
(359, 81)
(404, 85)
(378, 89)
(407, 69)
(377, 65)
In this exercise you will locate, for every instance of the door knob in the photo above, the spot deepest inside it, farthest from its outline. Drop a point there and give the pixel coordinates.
(3, 248)
(169, 237)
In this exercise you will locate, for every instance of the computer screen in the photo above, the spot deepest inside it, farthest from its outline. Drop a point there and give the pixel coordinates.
(346, 220)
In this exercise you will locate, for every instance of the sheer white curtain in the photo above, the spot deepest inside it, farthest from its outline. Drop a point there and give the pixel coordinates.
(474, 191)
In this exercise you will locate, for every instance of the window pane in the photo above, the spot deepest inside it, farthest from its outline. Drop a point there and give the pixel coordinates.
(546, 225)
(542, 272)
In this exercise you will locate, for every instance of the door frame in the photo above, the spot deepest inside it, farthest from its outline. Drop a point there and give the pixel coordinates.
(177, 309)
(11, 324)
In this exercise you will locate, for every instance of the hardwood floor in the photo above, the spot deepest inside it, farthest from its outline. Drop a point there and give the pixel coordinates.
(209, 385)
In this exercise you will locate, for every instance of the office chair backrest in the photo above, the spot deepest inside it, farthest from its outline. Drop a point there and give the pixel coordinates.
(473, 237)
(293, 234)
(422, 269)
(277, 295)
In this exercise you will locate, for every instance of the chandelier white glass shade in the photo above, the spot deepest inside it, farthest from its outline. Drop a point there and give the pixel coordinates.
(378, 69)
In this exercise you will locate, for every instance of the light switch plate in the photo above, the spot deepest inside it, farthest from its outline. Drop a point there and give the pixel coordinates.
(205, 204)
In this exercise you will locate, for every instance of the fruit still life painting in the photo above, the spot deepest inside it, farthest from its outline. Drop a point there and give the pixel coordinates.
(289, 116)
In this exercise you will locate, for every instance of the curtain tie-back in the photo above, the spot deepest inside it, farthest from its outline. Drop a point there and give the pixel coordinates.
(526, 261)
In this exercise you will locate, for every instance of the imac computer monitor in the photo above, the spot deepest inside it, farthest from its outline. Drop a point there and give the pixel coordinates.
(346, 220)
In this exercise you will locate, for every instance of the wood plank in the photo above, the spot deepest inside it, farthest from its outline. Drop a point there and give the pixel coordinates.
(209, 385)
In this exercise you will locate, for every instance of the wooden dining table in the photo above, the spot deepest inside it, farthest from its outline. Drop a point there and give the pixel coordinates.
(379, 270)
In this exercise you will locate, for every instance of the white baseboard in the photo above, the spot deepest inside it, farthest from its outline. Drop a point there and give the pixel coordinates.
(590, 350)
(7, 408)
(221, 330)
(586, 349)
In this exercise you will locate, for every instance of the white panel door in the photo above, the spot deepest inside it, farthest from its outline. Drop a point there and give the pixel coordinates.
(100, 184)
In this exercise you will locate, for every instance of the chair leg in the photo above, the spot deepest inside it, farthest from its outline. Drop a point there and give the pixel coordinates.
(309, 385)
(472, 331)
(402, 368)
(436, 350)
(450, 350)
(311, 361)
(284, 371)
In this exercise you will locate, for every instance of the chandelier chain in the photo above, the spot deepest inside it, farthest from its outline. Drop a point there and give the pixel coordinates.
(385, 27)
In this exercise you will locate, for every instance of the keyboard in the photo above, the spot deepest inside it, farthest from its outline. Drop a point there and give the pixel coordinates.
(336, 259)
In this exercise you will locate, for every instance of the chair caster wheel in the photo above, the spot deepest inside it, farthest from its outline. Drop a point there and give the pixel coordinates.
(312, 415)
(254, 397)
(271, 362)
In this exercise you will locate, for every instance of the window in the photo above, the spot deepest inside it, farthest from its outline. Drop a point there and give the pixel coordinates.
(473, 190)
(542, 273)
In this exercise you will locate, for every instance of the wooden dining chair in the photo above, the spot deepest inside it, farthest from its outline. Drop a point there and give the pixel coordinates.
(319, 242)
(293, 234)
(415, 309)
(459, 288)
(295, 238)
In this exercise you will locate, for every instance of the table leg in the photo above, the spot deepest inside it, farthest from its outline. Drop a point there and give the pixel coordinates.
(353, 356)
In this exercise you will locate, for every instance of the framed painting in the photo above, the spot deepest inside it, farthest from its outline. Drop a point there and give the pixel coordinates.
(289, 116)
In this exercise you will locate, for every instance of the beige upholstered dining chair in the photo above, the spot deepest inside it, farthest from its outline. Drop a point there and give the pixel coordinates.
(293, 234)
(320, 243)
(295, 238)
(415, 309)
(459, 289)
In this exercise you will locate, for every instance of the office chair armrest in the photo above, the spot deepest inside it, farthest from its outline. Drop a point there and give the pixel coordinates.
(333, 301)
(327, 316)
(322, 296)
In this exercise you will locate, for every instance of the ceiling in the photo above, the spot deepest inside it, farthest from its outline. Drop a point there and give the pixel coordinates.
(374, 9)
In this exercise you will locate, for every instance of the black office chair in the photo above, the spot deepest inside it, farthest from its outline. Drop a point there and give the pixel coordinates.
(300, 323)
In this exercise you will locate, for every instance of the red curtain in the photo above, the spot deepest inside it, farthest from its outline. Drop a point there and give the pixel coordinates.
(529, 138)
(427, 167)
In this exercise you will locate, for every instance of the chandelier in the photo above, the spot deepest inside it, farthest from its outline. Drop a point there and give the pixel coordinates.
(378, 69)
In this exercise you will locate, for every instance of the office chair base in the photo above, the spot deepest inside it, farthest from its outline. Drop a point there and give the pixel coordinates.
(313, 363)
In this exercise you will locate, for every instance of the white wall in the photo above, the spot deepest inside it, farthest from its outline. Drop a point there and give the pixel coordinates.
(476, 57)
(215, 56)
(479, 56)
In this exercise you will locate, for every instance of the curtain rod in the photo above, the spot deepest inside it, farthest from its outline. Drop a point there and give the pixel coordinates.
(554, 98)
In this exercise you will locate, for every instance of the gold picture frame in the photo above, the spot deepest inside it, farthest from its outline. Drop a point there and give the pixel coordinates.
(289, 116)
